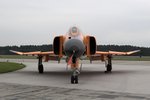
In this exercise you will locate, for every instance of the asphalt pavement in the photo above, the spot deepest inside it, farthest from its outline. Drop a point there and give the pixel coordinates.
(129, 80)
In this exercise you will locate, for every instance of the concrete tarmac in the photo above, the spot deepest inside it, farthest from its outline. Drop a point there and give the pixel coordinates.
(128, 79)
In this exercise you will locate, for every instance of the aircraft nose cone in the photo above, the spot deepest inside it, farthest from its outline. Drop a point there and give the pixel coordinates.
(74, 47)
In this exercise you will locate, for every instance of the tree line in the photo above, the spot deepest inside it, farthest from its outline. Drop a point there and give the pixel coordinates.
(145, 51)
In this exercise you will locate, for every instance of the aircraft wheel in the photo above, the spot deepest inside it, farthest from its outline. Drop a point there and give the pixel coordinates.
(109, 68)
(41, 69)
(72, 79)
(76, 79)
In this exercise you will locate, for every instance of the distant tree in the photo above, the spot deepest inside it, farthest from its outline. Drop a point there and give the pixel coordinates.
(27, 48)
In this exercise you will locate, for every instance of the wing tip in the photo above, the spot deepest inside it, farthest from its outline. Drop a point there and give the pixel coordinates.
(16, 52)
(132, 52)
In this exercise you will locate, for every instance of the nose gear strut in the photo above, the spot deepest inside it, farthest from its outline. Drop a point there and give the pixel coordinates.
(74, 76)
(75, 72)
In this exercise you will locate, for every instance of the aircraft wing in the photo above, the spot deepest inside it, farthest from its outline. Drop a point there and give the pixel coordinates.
(102, 55)
(47, 55)
(116, 52)
(33, 53)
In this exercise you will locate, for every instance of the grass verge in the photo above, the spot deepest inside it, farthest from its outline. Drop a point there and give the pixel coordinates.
(17, 57)
(9, 67)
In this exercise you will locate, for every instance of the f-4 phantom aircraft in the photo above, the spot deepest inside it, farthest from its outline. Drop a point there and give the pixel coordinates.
(73, 46)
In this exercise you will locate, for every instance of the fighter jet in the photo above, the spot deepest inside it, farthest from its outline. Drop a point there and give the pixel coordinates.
(74, 46)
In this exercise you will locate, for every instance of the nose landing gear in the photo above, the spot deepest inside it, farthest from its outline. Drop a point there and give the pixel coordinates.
(74, 77)
(75, 73)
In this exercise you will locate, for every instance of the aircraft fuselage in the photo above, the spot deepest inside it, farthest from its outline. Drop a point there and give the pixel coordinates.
(73, 44)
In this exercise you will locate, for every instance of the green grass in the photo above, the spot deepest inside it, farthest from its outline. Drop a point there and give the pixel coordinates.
(9, 67)
(16, 57)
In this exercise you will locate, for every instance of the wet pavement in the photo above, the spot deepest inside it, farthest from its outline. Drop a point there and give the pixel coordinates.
(129, 80)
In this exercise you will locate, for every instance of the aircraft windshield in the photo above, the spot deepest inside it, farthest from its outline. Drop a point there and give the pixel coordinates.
(74, 30)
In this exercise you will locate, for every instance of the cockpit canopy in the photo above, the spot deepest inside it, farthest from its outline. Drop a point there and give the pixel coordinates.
(74, 31)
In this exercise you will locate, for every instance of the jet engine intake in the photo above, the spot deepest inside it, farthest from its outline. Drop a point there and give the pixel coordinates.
(91, 47)
(58, 45)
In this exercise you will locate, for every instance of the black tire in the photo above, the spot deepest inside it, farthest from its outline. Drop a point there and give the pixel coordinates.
(41, 69)
(72, 79)
(76, 79)
(109, 68)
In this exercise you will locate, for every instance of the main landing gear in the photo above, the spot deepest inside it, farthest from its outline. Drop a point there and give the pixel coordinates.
(40, 65)
(108, 64)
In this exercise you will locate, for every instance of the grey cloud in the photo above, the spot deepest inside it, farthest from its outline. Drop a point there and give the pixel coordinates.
(111, 21)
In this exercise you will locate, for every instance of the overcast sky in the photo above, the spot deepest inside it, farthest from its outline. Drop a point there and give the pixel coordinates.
(37, 22)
